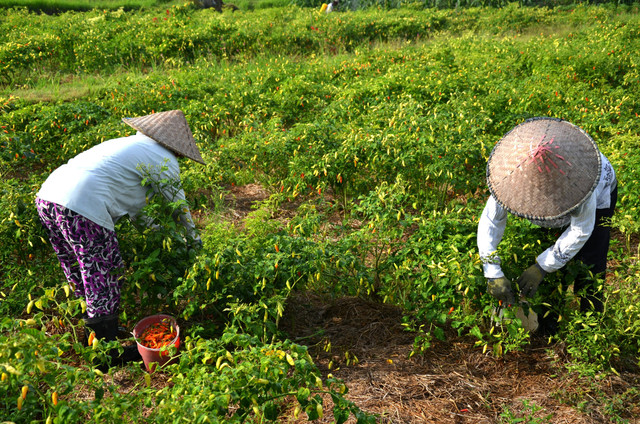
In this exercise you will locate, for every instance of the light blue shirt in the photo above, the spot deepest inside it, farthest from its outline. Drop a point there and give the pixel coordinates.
(104, 183)
(580, 226)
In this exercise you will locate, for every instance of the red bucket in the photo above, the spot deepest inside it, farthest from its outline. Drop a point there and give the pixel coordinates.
(156, 357)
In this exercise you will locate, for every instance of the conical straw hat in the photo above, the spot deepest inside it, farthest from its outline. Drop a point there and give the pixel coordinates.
(543, 169)
(171, 130)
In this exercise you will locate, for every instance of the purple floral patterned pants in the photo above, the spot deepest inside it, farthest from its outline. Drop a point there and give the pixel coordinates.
(89, 255)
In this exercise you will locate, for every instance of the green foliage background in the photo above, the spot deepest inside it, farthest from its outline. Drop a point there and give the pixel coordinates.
(372, 127)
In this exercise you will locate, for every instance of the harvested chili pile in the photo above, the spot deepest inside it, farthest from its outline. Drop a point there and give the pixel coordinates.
(158, 335)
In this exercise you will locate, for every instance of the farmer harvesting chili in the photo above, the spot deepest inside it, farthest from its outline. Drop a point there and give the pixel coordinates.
(81, 201)
(550, 172)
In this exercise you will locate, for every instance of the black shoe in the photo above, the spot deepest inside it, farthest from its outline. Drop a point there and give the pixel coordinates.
(106, 327)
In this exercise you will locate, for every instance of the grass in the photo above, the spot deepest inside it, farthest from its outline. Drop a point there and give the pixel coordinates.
(259, 4)
(60, 6)
(59, 88)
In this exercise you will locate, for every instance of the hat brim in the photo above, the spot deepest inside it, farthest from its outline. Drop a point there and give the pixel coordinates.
(171, 130)
(543, 169)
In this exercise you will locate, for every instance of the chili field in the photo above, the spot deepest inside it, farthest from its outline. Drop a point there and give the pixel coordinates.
(345, 165)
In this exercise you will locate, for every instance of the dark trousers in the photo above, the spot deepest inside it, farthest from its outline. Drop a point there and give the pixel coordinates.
(594, 255)
(589, 265)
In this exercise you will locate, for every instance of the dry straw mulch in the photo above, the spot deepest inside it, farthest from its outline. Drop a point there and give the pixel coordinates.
(453, 382)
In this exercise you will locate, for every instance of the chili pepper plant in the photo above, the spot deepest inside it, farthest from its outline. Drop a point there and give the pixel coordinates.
(368, 132)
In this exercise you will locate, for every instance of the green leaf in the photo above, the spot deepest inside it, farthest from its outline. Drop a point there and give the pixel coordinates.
(312, 412)
(271, 411)
(439, 333)
(475, 331)
(303, 395)
(341, 415)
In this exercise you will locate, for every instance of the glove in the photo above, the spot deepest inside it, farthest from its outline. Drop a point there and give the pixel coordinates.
(197, 244)
(531, 279)
(194, 243)
(500, 288)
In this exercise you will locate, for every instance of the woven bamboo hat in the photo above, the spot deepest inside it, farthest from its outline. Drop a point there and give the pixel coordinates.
(543, 169)
(171, 130)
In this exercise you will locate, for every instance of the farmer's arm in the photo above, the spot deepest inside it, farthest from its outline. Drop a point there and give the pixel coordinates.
(490, 231)
(174, 193)
(184, 215)
(572, 239)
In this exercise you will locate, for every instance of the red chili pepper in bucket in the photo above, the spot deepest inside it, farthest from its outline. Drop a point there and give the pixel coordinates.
(158, 335)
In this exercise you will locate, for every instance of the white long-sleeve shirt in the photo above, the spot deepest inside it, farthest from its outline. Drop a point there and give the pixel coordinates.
(580, 223)
(104, 183)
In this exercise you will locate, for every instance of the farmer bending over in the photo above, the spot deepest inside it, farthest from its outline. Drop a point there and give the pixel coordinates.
(80, 202)
(550, 172)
